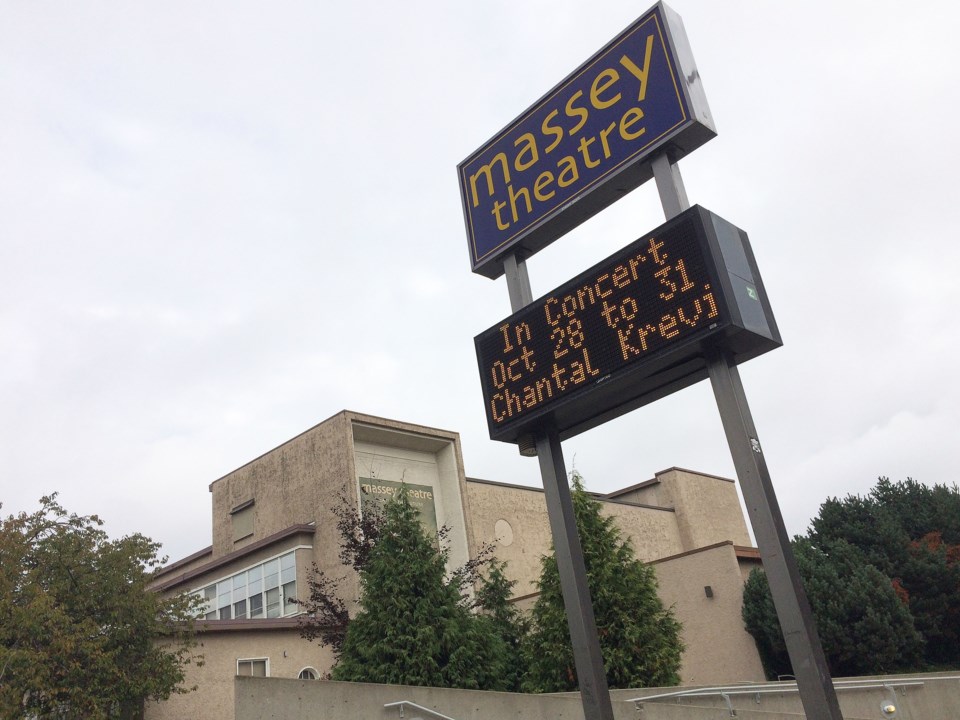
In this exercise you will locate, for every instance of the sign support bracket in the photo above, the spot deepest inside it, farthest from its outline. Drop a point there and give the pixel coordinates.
(817, 693)
(591, 675)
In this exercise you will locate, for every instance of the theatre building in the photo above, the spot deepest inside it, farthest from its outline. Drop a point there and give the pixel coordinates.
(272, 520)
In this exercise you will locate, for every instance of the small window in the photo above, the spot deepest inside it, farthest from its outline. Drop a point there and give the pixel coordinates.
(255, 667)
(241, 518)
(273, 603)
(256, 605)
(308, 674)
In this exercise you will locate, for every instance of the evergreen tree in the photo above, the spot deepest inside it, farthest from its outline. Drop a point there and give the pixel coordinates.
(412, 628)
(639, 638)
(865, 628)
(504, 620)
(911, 533)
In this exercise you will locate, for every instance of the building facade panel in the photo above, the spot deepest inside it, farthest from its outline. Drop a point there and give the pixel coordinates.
(705, 588)
(277, 511)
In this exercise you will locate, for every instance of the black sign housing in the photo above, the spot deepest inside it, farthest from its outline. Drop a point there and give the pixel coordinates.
(631, 329)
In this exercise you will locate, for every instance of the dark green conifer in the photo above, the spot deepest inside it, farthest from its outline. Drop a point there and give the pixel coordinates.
(639, 637)
(503, 619)
(412, 628)
(864, 627)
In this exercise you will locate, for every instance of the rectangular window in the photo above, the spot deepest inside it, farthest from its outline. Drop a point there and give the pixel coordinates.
(210, 594)
(265, 590)
(240, 609)
(290, 598)
(288, 568)
(271, 574)
(255, 580)
(241, 520)
(256, 605)
(256, 667)
(224, 599)
(273, 603)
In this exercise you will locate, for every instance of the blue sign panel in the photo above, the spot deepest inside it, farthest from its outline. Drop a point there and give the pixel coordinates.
(531, 182)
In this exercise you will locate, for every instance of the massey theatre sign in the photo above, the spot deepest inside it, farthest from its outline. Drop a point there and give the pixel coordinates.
(580, 147)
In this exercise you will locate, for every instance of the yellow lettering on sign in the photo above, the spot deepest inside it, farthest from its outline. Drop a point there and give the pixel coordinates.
(487, 171)
(543, 179)
(630, 118)
(573, 111)
(549, 129)
(529, 143)
(601, 83)
(641, 74)
(569, 174)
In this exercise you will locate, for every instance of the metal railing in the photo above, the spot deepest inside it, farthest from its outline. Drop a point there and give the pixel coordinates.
(402, 704)
(725, 692)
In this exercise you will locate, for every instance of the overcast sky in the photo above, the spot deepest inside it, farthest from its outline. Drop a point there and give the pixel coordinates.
(223, 222)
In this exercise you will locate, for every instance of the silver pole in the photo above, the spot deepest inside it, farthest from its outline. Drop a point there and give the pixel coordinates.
(591, 676)
(793, 610)
(817, 693)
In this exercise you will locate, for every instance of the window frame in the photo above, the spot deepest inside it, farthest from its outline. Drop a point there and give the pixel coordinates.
(214, 612)
(251, 660)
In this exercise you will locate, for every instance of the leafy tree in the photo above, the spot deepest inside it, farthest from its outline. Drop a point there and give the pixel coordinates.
(911, 533)
(639, 638)
(413, 627)
(327, 616)
(79, 630)
(864, 626)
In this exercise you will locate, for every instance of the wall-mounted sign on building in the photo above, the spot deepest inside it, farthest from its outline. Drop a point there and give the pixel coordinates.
(421, 498)
(583, 145)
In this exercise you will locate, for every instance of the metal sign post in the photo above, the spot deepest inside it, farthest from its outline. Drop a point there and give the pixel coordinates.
(793, 610)
(591, 676)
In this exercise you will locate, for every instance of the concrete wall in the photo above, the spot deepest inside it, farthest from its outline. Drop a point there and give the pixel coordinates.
(719, 649)
(267, 699)
(258, 699)
(923, 696)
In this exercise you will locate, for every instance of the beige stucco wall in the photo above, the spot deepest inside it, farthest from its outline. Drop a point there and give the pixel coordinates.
(719, 650)
(301, 480)
(292, 484)
(287, 655)
(522, 517)
(515, 519)
(708, 508)
(297, 484)
(653, 532)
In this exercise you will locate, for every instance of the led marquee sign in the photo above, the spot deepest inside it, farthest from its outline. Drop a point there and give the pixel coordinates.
(628, 331)
(583, 145)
